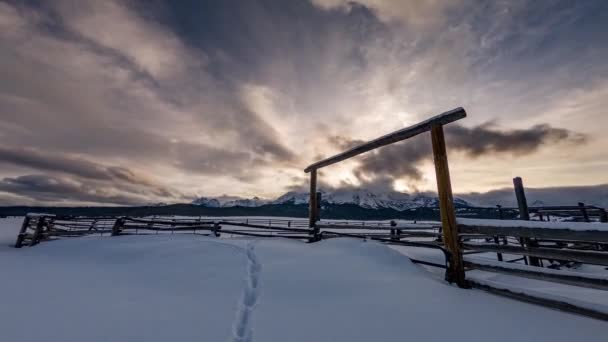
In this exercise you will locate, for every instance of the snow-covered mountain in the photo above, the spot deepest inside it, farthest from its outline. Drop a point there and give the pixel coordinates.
(360, 197)
(245, 202)
(368, 199)
(229, 201)
(207, 202)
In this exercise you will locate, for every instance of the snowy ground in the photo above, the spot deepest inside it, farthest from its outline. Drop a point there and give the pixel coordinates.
(193, 288)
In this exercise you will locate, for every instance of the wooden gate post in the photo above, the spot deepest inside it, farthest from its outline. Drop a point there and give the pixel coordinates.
(455, 272)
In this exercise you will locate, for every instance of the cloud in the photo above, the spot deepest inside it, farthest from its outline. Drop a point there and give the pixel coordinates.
(486, 139)
(404, 159)
(44, 188)
(417, 13)
(109, 84)
(178, 91)
(73, 165)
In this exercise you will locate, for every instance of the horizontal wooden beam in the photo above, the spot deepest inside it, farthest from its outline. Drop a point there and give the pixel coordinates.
(538, 274)
(402, 134)
(370, 227)
(585, 257)
(599, 236)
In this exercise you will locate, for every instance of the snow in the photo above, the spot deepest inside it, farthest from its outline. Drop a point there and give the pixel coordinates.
(186, 287)
(484, 261)
(582, 297)
(9, 228)
(577, 226)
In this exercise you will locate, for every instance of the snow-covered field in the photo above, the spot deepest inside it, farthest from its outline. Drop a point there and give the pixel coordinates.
(193, 288)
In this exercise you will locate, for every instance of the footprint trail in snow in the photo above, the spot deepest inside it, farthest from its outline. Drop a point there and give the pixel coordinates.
(242, 330)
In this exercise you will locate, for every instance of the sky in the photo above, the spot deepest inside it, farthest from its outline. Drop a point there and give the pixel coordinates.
(132, 102)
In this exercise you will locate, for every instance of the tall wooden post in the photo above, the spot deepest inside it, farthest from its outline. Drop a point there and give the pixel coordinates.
(455, 272)
(312, 202)
(522, 203)
(524, 214)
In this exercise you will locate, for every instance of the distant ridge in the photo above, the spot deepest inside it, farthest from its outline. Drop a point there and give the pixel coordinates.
(360, 197)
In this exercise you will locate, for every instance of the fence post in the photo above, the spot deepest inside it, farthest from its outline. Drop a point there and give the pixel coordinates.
(603, 216)
(312, 205)
(22, 232)
(318, 203)
(584, 211)
(117, 227)
(455, 271)
(216, 229)
(38, 231)
(524, 214)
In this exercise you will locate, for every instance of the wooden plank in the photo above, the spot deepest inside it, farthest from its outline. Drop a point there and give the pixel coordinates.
(538, 233)
(586, 257)
(402, 134)
(568, 279)
(360, 227)
(554, 304)
(455, 272)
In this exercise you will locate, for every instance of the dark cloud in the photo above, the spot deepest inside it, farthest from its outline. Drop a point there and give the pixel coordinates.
(45, 188)
(67, 177)
(402, 160)
(76, 166)
(485, 139)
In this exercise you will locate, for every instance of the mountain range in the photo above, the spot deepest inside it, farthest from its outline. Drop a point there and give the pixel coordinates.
(570, 195)
(360, 197)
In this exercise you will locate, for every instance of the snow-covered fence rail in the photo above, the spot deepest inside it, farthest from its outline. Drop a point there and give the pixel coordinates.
(560, 243)
(570, 231)
(40, 227)
(566, 241)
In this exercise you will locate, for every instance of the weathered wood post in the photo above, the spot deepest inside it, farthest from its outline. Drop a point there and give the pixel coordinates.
(455, 272)
(117, 227)
(522, 203)
(584, 211)
(312, 205)
(216, 229)
(22, 232)
(38, 232)
(603, 216)
(524, 214)
(319, 198)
